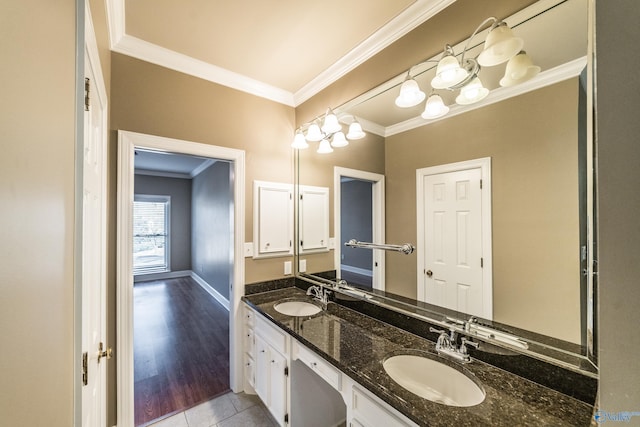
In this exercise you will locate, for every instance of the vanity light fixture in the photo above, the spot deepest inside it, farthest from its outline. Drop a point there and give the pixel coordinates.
(330, 134)
(452, 74)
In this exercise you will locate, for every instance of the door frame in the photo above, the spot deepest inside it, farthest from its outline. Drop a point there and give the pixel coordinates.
(378, 211)
(127, 143)
(484, 164)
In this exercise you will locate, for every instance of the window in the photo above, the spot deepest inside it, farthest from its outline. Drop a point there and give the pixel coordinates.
(151, 215)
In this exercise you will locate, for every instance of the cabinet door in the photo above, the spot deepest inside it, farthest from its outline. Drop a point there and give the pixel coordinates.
(262, 369)
(273, 219)
(314, 219)
(277, 386)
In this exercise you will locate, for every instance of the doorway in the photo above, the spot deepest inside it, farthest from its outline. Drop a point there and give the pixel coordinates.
(359, 214)
(129, 143)
(454, 236)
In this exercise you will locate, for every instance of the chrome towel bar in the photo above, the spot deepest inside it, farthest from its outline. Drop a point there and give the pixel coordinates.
(406, 249)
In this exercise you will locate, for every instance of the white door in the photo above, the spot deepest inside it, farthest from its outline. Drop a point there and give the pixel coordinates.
(93, 253)
(452, 250)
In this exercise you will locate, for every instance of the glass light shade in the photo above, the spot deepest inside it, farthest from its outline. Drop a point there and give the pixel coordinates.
(448, 73)
(339, 140)
(519, 69)
(434, 108)
(299, 142)
(331, 124)
(472, 92)
(500, 46)
(410, 94)
(355, 131)
(313, 133)
(324, 147)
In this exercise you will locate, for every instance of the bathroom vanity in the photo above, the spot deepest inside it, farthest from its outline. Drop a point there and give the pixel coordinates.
(326, 368)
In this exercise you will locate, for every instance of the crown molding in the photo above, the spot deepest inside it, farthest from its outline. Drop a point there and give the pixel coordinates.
(406, 21)
(546, 78)
(140, 49)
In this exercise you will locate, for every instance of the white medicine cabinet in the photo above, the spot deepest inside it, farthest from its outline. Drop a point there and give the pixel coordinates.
(272, 219)
(314, 219)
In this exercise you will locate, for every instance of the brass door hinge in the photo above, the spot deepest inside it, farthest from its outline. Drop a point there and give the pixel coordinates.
(108, 353)
(87, 89)
(85, 368)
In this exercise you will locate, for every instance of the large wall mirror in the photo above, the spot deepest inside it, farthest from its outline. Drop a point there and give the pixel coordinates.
(530, 145)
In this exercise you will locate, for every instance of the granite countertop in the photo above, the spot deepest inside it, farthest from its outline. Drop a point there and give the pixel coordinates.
(358, 345)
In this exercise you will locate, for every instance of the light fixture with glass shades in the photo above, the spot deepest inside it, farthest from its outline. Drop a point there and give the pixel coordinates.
(463, 74)
(329, 133)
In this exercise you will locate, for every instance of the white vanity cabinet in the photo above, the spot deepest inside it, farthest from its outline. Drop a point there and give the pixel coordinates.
(300, 388)
(272, 368)
(249, 355)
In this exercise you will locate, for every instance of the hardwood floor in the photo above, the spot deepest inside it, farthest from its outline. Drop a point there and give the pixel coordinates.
(181, 347)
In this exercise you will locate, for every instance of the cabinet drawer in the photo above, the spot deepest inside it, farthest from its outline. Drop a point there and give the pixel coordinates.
(320, 366)
(274, 336)
(371, 413)
(249, 342)
(250, 370)
(249, 316)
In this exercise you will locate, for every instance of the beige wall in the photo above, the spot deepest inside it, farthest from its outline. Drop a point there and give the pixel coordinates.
(534, 151)
(37, 133)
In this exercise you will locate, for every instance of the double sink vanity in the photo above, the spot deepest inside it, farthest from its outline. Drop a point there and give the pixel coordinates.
(314, 361)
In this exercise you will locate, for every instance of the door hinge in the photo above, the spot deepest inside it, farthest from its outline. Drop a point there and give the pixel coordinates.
(481, 262)
(290, 243)
(87, 89)
(286, 418)
(301, 244)
(481, 184)
(85, 368)
(286, 371)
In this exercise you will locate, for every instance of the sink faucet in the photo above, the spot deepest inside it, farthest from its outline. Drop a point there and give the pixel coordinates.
(319, 293)
(446, 345)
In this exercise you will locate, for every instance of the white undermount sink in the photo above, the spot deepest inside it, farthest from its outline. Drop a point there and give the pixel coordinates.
(297, 308)
(433, 380)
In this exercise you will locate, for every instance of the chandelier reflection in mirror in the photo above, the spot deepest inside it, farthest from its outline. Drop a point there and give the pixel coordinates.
(329, 134)
(500, 46)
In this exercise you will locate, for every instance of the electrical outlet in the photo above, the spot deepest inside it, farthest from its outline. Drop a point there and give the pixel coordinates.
(248, 249)
(303, 265)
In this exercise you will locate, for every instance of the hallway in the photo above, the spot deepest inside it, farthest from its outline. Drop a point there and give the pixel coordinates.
(181, 347)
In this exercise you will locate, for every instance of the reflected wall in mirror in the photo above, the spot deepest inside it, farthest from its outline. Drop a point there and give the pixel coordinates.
(538, 144)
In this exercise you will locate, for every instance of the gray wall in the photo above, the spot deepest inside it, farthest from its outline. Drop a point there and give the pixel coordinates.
(180, 191)
(355, 222)
(211, 245)
(618, 150)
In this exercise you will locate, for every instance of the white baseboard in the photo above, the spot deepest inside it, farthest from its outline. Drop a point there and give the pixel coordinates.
(161, 276)
(357, 270)
(207, 287)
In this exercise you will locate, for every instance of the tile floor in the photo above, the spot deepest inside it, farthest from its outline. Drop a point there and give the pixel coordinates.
(228, 410)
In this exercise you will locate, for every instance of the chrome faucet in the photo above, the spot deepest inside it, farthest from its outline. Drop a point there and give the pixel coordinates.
(446, 345)
(319, 293)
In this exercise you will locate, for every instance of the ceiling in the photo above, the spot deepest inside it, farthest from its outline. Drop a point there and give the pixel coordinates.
(283, 50)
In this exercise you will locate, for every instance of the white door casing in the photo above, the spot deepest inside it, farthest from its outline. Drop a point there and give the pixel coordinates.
(127, 143)
(454, 236)
(378, 208)
(94, 193)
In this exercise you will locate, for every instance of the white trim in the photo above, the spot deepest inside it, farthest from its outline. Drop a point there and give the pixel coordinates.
(409, 19)
(211, 290)
(163, 174)
(128, 142)
(161, 276)
(546, 78)
(201, 168)
(141, 49)
(356, 270)
(378, 211)
(484, 164)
